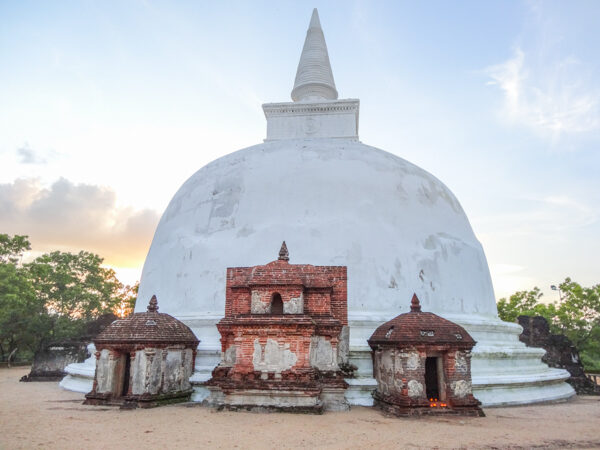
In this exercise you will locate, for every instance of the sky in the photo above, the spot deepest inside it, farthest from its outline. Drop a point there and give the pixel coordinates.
(107, 107)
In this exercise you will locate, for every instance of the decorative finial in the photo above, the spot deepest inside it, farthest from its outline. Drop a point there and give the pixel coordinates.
(415, 305)
(314, 78)
(283, 253)
(153, 305)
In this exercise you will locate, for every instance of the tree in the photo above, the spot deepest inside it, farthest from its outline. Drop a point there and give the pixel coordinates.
(19, 307)
(520, 303)
(75, 285)
(74, 289)
(12, 248)
(576, 315)
(53, 297)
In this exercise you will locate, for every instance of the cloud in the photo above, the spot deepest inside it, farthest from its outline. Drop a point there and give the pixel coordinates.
(29, 156)
(68, 216)
(553, 97)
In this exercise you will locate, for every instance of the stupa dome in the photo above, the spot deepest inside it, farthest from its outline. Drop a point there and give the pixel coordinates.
(335, 201)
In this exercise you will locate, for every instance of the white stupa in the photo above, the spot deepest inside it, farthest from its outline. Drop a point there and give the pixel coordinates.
(337, 201)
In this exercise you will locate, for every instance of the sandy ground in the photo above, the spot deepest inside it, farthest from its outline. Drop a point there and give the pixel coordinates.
(41, 415)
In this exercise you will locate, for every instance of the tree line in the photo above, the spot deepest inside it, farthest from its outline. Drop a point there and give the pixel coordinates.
(576, 315)
(54, 297)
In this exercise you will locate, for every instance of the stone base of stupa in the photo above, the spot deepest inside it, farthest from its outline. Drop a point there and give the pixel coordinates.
(80, 376)
(504, 370)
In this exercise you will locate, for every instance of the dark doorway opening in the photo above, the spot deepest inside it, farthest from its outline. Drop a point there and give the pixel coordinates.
(432, 387)
(276, 304)
(126, 372)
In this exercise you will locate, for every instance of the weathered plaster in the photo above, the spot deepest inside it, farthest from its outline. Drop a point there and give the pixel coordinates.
(174, 371)
(272, 357)
(322, 354)
(230, 355)
(413, 361)
(294, 305)
(415, 389)
(258, 305)
(343, 345)
(139, 367)
(105, 372)
(460, 362)
(154, 369)
(461, 388)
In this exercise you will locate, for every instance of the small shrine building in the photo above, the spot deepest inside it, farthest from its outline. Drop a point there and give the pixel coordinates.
(283, 338)
(143, 360)
(422, 365)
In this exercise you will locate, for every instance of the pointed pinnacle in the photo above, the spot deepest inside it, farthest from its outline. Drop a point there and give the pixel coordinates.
(415, 305)
(283, 253)
(153, 305)
(314, 20)
(314, 78)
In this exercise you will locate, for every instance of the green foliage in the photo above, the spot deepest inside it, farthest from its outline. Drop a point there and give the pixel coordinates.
(53, 297)
(12, 248)
(75, 285)
(19, 307)
(520, 303)
(19, 310)
(576, 315)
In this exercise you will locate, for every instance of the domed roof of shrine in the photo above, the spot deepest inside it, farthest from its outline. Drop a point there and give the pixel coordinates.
(418, 328)
(147, 327)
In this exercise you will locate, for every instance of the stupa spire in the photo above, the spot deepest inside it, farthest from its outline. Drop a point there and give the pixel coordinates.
(314, 78)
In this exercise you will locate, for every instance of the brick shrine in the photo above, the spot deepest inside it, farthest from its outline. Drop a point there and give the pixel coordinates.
(422, 364)
(143, 360)
(284, 334)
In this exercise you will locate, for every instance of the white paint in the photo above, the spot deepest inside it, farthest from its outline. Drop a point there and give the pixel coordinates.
(314, 78)
(325, 119)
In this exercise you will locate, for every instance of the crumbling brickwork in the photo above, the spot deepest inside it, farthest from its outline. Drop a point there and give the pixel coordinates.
(289, 353)
(560, 352)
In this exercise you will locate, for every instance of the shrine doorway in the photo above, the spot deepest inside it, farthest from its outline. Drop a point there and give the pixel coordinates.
(276, 304)
(433, 381)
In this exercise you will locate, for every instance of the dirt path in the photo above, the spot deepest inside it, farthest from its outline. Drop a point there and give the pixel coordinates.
(41, 415)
